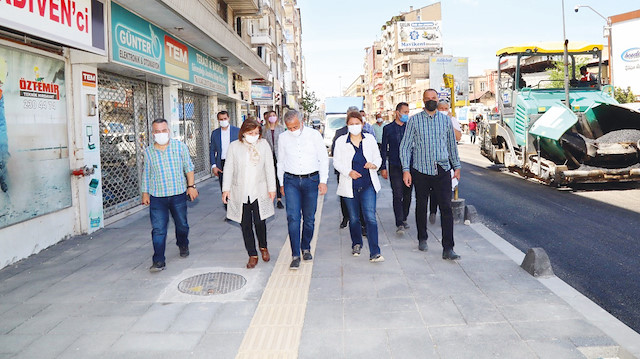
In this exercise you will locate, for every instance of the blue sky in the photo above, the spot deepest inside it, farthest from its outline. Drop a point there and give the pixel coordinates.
(335, 33)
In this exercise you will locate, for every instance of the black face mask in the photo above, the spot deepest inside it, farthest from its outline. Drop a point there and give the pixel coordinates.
(431, 105)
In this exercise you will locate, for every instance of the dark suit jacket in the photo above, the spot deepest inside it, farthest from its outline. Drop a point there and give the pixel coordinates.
(215, 147)
(339, 132)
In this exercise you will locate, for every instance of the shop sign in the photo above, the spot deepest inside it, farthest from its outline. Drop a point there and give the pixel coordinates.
(259, 92)
(137, 43)
(75, 23)
(34, 154)
(419, 35)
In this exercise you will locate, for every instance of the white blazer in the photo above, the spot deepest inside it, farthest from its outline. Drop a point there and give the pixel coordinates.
(343, 156)
(234, 179)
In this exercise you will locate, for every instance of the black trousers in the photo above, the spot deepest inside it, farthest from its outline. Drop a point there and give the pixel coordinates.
(441, 184)
(220, 175)
(251, 218)
(343, 207)
(275, 165)
(433, 202)
(401, 195)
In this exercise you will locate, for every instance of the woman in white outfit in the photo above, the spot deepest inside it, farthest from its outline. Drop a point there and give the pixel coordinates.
(249, 187)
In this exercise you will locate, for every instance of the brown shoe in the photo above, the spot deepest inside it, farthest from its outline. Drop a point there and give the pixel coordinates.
(265, 254)
(253, 260)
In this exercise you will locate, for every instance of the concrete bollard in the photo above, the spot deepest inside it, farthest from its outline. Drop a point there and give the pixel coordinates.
(470, 213)
(457, 205)
(536, 262)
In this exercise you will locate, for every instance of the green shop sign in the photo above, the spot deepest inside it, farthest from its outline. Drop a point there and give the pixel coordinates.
(137, 43)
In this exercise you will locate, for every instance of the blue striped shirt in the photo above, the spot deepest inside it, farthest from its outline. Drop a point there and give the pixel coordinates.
(431, 142)
(164, 171)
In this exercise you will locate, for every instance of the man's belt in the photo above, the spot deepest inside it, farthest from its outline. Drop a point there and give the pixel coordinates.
(302, 176)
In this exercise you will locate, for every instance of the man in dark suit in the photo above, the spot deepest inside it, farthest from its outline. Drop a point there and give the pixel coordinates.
(221, 137)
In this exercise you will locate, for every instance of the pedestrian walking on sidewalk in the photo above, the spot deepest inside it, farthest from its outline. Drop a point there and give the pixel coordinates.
(357, 158)
(378, 127)
(473, 126)
(221, 137)
(167, 182)
(443, 107)
(272, 131)
(249, 187)
(303, 168)
(392, 135)
(428, 151)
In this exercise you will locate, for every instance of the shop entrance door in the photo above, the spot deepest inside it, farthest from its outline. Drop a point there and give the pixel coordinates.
(126, 108)
(194, 130)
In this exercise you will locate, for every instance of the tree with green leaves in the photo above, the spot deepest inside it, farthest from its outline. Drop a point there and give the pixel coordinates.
(309, 102)
(624, 96)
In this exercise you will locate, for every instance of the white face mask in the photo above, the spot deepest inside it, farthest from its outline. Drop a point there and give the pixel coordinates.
(224, 123)
(297, 132)
(379, 120)
(161, 138)
(251, 139)
(273, 119)
(355, 129)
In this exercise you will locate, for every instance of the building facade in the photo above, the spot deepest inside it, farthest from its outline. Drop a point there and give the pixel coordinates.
(79, 93)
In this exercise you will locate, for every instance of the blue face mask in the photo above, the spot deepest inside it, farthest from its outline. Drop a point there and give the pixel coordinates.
(404, 118)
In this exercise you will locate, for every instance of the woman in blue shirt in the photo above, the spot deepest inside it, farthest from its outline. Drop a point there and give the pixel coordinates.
(357, 157)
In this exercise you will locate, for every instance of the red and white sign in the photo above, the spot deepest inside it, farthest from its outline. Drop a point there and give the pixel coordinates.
(68, 22)
(89, 79)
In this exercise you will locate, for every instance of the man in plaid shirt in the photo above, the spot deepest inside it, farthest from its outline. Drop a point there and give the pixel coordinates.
(167, 181)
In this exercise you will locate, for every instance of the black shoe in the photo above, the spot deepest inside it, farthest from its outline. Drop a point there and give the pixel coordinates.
(449, 254)
(306, 255)
(157, 267)
(344, 223)
(184, 252)
(422, 245)
(280, 205)
(405, 225)
(295, 263)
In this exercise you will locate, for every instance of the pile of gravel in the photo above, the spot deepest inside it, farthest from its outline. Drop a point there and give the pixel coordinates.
(627, 136)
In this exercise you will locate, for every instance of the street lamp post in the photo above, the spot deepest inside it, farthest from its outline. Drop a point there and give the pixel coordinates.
(566, 61)
(607, 34)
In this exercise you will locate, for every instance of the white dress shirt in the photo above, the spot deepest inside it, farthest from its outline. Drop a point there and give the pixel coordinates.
(225, 140)
(301, 155)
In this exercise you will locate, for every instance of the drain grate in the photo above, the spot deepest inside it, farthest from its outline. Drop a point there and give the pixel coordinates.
(212, 283)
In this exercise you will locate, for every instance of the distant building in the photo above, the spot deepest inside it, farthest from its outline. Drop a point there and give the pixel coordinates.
(356, 88)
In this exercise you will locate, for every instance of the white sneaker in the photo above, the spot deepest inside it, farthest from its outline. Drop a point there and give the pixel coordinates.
(377, 258)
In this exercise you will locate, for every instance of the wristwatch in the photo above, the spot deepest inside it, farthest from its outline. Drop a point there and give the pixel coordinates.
(192, 186)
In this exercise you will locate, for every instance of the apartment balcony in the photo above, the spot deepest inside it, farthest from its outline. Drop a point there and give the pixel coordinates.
(258, 39)
(244, 7)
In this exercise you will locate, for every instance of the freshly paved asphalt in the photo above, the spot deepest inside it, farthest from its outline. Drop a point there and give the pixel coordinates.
(593, 246)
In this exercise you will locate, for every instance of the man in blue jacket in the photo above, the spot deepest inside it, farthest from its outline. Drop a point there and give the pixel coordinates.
(221, 137)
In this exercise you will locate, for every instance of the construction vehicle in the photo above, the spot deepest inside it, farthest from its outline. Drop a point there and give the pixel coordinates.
(537, 134)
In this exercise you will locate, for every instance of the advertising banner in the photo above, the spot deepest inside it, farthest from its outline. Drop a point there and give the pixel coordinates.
(625, 55)
(259, 92)
(137, 43)
(456, 66)
(34, 158)
(419, 35)
(75, 23)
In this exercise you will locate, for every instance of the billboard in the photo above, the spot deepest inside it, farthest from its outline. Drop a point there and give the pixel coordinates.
(35, 174)
(137, 43)
(456, 66)
(419, 35)
(625, 54)
(75, 23)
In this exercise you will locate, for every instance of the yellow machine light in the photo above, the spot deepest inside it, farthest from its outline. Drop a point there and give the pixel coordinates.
(542, 109)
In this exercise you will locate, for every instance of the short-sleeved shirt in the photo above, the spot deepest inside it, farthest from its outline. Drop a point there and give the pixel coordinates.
(164, 171)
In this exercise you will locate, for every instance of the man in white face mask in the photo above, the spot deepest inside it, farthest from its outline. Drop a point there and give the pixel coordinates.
(303, 168)
(221, 137)
(167, 181)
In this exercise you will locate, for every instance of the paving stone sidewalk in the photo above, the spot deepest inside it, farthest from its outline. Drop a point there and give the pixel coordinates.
(93, 296)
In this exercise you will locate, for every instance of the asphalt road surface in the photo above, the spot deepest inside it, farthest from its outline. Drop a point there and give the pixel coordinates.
(591, 233)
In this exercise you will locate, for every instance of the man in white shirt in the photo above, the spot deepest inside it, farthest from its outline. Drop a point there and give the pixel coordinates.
(303, 169)
(221, 137)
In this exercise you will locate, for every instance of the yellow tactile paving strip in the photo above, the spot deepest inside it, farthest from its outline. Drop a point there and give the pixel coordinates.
(276, 327)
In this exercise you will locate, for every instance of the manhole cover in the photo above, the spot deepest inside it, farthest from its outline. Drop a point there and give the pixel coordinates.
(212, 283)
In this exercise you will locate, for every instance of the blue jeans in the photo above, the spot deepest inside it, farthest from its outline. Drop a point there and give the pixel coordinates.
(159, 210)
(363, 200)
(301, 196)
